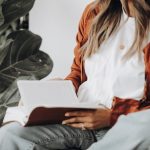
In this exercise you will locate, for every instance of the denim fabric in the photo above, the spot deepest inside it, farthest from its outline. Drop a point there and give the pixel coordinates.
(131, 132)
(100, 133)
(15, 137)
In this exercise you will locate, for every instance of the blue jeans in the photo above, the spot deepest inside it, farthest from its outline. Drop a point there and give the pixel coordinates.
(131, 132)
(15, 137)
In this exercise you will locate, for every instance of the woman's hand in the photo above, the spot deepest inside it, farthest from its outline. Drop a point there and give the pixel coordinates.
(91, 119)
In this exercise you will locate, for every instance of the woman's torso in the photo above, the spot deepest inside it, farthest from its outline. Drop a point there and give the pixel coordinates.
(108, 75)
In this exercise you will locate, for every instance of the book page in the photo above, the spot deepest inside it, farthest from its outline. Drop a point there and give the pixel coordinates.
(46, 102)
(47, 93)
(15, 114)
(50, 94)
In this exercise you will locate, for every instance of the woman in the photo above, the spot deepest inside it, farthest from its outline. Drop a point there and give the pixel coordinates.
(110, 67)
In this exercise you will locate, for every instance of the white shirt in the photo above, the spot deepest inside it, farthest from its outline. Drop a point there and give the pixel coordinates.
(108, 75)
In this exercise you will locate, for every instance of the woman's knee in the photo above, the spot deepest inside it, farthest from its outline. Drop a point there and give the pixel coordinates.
(11, 138)
(9, 130)
(6, 136)
(144, 145)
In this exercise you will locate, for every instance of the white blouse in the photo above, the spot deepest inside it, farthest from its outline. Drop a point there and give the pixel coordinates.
(108, 75)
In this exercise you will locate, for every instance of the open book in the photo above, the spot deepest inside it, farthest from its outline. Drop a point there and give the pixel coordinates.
(45, 102)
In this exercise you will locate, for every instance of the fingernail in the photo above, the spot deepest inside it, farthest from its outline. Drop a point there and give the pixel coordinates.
(63, 122)
(67, 114)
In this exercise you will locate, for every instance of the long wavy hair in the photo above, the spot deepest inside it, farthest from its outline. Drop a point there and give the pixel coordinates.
(108, 20)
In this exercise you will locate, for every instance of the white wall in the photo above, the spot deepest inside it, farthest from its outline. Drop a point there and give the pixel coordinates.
(56, 21)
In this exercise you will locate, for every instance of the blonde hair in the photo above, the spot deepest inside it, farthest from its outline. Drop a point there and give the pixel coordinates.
(108, 20)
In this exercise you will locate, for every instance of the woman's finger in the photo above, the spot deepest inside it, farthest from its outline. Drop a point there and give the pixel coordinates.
(79, 113)
(75, 120)
(77, 125)
(83, 126)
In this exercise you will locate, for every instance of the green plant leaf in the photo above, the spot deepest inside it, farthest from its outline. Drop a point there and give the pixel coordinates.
(12, 10)
(20, 59)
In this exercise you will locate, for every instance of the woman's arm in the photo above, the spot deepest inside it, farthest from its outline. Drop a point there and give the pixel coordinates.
(102, 118)
(90, 119)
(81, 38)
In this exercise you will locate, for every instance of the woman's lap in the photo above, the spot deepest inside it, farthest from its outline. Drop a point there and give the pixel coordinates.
(48, 137)
(130, 132)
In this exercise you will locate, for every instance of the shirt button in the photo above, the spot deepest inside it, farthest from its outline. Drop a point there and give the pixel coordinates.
(122, 46)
